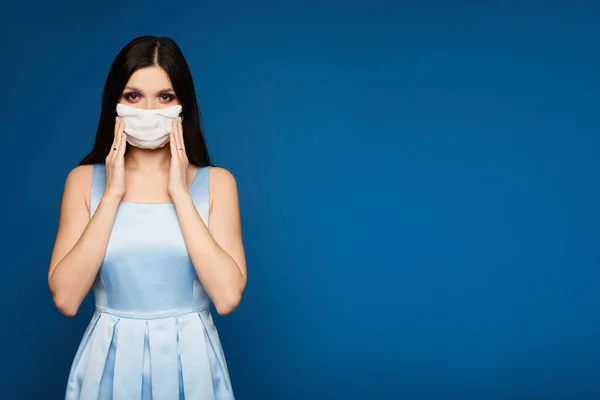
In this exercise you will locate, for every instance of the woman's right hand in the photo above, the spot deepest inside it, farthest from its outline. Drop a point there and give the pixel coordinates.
(115, 163)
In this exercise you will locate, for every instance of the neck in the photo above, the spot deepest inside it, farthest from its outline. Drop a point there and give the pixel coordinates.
(143, 159)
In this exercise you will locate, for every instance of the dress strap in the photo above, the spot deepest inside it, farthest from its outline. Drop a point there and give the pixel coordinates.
(98, 184)
(200, 192)
(198, 189)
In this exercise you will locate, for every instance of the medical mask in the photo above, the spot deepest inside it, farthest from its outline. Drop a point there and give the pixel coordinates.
(148, 129)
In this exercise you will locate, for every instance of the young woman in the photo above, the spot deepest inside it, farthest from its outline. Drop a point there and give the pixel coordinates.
(155, 231)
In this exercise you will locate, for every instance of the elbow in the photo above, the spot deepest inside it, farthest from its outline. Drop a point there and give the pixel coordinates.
(67, 310)
(66, 307)
(230, 301)
(229, 305)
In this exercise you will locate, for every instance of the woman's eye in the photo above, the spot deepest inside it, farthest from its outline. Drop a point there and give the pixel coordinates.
(166, 97)
(132, 96)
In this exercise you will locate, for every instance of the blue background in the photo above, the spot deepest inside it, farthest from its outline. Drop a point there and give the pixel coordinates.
(418, 182)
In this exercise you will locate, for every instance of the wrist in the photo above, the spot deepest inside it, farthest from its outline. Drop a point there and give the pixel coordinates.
(179, 196)
(111, 199)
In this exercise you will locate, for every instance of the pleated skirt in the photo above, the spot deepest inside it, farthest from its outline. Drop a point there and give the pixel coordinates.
(169, 358)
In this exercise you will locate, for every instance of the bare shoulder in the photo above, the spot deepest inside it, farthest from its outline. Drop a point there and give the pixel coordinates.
(79, 182)
(81, 173)
(222, 185)
(80, 176)
(220, 177)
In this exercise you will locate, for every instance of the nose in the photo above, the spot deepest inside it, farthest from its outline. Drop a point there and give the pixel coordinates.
(151, 104)
(147, 104)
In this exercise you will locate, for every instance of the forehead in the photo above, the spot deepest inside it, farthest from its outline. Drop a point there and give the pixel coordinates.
(150, 79)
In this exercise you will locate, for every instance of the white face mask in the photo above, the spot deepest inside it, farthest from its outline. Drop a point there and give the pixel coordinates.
(148, 129)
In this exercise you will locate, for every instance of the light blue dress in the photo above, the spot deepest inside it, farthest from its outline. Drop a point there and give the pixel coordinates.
(152, 335)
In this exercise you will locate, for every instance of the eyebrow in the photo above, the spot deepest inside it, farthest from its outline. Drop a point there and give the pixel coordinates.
(141, 91)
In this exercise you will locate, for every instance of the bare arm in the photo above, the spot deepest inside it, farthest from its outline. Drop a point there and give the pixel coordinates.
(80, 242)
(217, 252)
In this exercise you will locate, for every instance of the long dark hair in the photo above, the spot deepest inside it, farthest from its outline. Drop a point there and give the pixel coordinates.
(143, 52)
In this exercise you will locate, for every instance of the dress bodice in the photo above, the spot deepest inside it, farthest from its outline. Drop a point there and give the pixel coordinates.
(146, 268)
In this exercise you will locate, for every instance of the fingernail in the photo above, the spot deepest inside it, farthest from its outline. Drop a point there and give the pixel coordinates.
(117, 118)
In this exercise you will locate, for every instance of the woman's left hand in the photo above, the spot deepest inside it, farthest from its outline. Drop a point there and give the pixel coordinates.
(179, 162)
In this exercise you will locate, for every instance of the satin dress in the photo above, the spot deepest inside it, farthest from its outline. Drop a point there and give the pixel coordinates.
(152, 336)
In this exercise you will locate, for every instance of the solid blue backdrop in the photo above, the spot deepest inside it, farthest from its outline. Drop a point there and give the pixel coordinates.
(418, 183)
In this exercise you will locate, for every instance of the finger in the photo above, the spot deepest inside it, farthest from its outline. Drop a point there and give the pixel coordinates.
(180, 145)
(116, 129)
(118, 135)
(173, 143)
(122, 146)
(113, 144)
(176, 137)
(181, 140)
